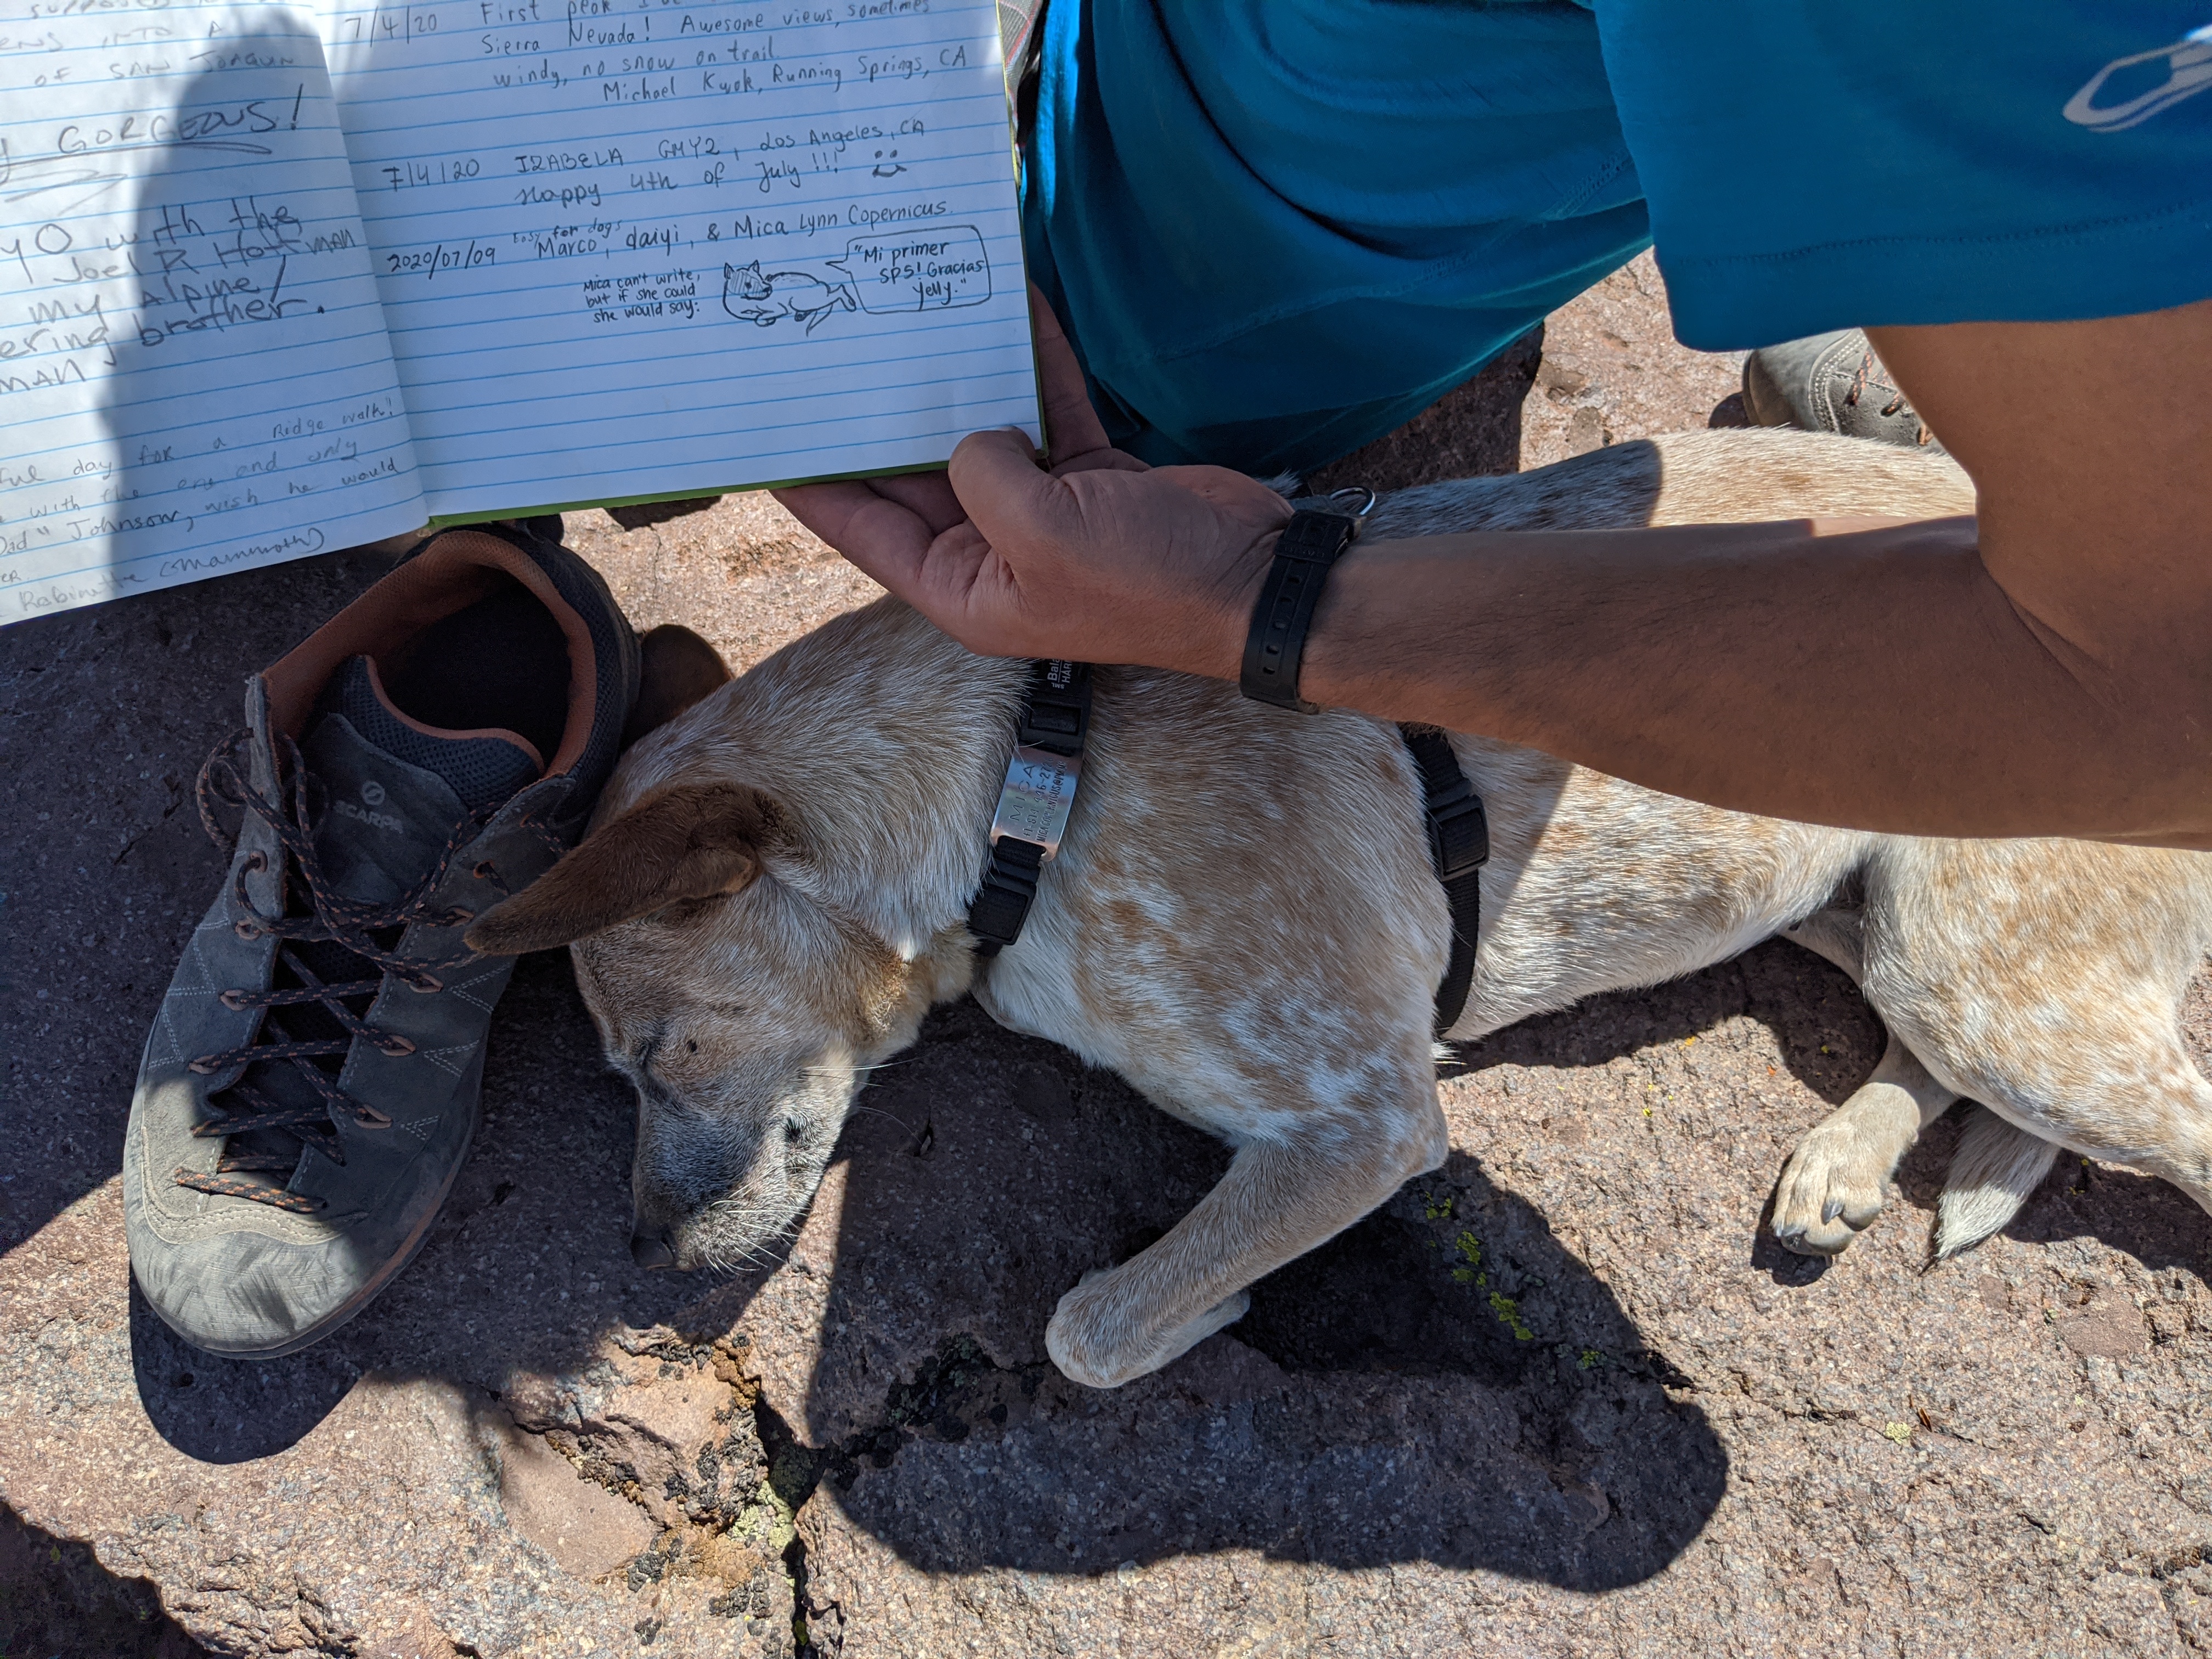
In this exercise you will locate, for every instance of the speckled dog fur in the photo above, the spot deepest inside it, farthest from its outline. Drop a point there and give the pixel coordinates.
(1243, 922)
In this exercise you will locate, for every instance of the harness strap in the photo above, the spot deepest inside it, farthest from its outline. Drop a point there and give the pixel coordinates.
(1040, 788)
(1033, 807)
(1458, 845)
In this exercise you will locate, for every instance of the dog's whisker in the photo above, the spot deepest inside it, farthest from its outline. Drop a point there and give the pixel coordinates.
(880, 1112)
(855, 1071)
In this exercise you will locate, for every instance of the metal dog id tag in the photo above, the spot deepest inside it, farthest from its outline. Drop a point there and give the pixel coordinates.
(1038, 795)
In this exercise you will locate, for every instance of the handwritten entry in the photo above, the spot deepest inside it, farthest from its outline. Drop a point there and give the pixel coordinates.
(636, 246)
(194, 374)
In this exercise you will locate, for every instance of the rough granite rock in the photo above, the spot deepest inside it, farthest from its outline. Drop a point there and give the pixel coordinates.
(1611, 370)
(1561, 1398)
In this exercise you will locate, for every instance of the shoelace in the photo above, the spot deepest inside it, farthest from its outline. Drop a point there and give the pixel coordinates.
(1865, 376)
(334, 918)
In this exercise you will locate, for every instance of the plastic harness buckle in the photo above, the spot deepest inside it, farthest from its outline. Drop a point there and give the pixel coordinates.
(1042, 776)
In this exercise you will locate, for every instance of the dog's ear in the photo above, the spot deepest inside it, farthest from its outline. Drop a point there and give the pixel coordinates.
(692, 842)
(677, 669)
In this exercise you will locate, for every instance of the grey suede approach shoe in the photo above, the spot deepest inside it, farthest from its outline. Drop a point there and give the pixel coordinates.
(1831, 383)
(309, 1089)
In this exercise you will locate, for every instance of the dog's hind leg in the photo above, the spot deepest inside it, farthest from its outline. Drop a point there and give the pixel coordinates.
(2125, 1091)
(1837, 933)
(1994, 1170)
(1280, 1200)
(2044, 979)
(2150, 1110)
(1834, 1184)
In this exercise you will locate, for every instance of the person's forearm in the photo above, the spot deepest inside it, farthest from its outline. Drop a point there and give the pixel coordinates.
(1880, 678)
(2052, 678)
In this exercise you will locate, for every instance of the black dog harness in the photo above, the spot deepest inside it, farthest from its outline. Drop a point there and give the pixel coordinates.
(1459, 833)
(1458, 845)
(1047, 766)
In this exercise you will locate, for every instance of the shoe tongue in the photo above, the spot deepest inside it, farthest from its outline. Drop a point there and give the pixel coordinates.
(395, 791)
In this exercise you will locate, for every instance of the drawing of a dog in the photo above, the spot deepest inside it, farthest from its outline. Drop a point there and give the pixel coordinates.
(751, 297)
(1243, 923)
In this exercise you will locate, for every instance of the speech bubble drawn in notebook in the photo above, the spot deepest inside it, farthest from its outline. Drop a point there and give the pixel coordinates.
(931, 269)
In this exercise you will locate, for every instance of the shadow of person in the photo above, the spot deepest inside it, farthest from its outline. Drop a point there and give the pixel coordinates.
(1444, 1382)
(56, 1597)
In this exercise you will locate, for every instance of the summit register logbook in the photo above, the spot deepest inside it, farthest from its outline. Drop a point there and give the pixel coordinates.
(276, 279)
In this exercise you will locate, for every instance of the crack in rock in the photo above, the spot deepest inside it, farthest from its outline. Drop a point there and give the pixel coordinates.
(721, 1485)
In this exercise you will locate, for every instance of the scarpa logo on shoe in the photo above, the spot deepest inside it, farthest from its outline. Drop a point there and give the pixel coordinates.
(372, 792)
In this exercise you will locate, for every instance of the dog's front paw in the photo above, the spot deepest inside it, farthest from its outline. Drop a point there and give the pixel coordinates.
(1098, 1340)
(1833, 1188)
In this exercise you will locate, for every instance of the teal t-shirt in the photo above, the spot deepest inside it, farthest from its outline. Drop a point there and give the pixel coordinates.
(1276, 228)
(1811, 166)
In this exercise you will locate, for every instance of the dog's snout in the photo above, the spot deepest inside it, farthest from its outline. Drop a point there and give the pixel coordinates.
(651, 1250)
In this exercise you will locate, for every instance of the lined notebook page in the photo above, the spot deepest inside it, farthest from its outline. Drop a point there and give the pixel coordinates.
(631, 247)
(193, 372)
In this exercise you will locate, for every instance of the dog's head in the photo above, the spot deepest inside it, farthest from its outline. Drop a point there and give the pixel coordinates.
(742, 1008)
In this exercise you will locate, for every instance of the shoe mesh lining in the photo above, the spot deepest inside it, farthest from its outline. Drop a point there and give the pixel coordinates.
(501, 663)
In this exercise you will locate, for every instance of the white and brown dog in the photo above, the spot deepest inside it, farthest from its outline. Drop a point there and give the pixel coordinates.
(1243, 921)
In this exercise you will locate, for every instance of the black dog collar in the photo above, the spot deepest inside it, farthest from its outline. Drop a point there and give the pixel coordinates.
(1458, 831)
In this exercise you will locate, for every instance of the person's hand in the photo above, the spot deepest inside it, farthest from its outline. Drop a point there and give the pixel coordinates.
(1159, 567)
(1103, 560)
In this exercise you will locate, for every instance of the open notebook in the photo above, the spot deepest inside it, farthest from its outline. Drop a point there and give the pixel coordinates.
(276, 279)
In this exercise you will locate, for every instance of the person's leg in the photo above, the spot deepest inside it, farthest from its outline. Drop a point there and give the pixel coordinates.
(1275, 229)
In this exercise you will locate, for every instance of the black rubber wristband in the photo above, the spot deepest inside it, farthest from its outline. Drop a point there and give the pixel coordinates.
(1310, 545)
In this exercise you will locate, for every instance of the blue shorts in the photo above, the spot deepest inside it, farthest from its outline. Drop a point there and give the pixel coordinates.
(1277, 228)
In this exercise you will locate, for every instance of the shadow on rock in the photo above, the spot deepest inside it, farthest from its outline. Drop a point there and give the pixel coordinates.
(56, 1598)
(105, 715)
(1829, 1036)
(1444, 1382)
(1826, 1037)
(2120, 1208)
(230, 1411)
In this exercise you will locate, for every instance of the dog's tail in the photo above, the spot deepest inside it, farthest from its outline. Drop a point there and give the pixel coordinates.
(1992, 1173)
